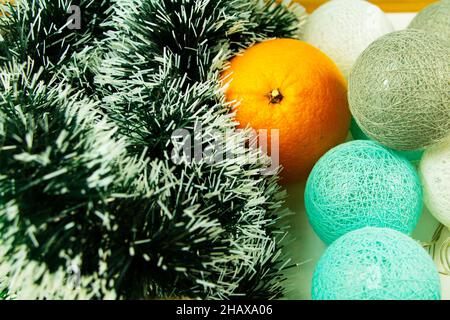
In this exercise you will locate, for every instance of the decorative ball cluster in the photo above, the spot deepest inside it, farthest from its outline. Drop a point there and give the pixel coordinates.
(376, 264)
(435, 174)
(343, 29)
(434, 19)
(360, 184)
(399, 90)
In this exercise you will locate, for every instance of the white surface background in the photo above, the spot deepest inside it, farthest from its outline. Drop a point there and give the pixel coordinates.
(307, 248)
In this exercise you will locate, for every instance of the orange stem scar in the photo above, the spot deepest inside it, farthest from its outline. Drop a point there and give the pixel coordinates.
(275, 96)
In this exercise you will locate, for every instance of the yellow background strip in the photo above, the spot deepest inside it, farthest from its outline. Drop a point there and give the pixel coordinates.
(385, 5)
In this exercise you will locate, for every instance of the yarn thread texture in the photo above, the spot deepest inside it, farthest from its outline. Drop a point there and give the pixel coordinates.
(399, 90)
(361, 184)
(435, 19)
(343, 29)
(435, 175)
(376, 264)
(414, 155)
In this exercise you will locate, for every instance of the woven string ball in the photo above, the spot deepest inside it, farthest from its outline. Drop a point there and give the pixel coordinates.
(399, 90)
(376, 264)
(344, 28)
(435, 19)
(414, 155)
(435, 175)
(360, 184)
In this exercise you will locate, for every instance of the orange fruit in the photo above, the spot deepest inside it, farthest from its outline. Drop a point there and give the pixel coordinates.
(291, 86)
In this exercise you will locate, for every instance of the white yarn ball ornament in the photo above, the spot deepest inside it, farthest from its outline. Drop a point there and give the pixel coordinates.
(343, 29)
(435, 175)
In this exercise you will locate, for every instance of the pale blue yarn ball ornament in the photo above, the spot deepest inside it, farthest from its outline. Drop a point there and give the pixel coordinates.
(361, 184)
(376, 264)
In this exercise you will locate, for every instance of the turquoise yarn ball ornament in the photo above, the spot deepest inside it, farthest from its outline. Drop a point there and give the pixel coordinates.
(361, 184)
(376, 264)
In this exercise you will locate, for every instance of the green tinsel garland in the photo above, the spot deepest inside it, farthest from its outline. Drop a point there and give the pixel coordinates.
(4, 295)
(38, 29)
(91, 205)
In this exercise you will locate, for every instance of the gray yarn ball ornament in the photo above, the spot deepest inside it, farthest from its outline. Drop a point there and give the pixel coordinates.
(399, 90)
(434, 19)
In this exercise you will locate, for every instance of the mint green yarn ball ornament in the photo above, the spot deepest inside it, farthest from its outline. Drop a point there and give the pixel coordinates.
(399, 90)
(361, 184)
(376, 264)
(356, 131)
(414, 155)
(435, 18)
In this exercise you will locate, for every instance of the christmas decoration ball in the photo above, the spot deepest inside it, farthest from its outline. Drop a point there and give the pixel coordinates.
(360, 184)
(435, 19)
(413, 155)
(344, 28)
(376, 264)
(399, 90)
(435, 175)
